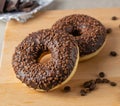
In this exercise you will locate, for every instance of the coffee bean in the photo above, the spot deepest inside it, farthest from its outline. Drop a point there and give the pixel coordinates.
(98, 80)
(83, 92)
(67, 88)
(87, 90)
(109, 30)
(114, 18)
(113, 53)
(101, 74)
(87, 84)
(113, 83)
(92, 86)
(105, 80)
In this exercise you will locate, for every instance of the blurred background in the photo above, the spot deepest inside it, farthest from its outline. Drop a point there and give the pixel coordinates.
(70, 4)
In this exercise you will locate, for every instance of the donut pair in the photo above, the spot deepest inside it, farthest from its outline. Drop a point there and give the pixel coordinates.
(70, 38)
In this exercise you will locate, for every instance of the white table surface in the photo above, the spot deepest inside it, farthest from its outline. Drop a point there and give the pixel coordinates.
(69, 4)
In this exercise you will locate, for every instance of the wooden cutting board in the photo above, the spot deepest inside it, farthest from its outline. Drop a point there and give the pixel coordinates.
(14, 93)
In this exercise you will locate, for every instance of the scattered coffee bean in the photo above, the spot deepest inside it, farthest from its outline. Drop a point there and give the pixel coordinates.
(83, 92)
(92, 87)
(87, 90)
(113, 84)
(67, 88)
(113, 53)
(114, 18)
(98, 80)
(87, 84)
(101, 74)
(109, 30)
(105, 80)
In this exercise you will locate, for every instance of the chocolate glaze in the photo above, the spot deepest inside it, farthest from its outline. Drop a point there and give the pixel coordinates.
(56, 70)
(89, 33)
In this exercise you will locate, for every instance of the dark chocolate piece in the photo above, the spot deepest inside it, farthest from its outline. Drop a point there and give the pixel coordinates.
(28, 6)
(12, 5)
(2, 5)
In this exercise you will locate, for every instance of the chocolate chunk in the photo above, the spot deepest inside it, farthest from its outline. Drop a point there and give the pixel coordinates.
(28, 6)
(67, 89)
(109, 30)
(2, 5)
(113, 53)
(12, 5)
(101, 74)
(83, 92)
(113, 84)
(114, 18)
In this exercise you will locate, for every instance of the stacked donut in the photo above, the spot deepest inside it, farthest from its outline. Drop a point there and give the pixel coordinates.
(71, 39)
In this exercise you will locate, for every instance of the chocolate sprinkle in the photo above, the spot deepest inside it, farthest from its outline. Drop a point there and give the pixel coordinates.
(89, 33)
(56, 70)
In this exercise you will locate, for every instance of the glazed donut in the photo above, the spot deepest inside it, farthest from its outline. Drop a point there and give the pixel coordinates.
(57, 70)
(89, 33)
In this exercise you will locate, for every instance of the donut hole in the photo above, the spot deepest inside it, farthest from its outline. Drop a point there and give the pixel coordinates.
(44, 57)
(76, 33)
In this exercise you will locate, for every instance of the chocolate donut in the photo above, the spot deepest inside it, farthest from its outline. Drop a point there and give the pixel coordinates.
(57, 70)
(89, 33)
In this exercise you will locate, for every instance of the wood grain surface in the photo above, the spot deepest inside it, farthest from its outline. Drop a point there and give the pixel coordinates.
(14, 93)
